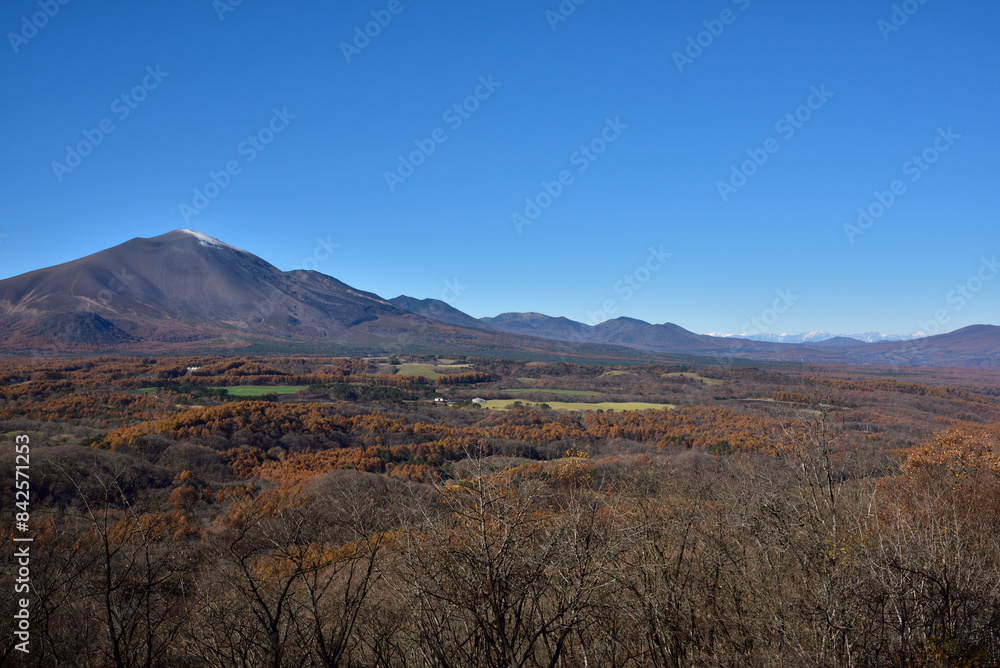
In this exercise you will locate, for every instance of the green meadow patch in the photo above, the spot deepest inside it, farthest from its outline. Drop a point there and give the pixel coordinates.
(260, 390)
(431, 371)
(415, 369)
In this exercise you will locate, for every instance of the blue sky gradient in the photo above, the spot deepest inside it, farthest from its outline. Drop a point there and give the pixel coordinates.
(619, 101)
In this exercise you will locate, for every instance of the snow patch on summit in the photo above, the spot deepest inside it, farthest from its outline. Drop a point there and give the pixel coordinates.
(206, 240)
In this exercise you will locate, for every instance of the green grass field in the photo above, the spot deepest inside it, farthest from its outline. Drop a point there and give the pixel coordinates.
(426, 370)
(694, 376)
(260, 390)
(582, 393)
(504, 404)
(414, 369)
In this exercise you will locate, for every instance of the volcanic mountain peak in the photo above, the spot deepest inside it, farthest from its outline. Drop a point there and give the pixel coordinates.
(182, 286)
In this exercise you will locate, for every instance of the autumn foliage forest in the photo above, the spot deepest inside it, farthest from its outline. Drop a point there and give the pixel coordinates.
(768, 516)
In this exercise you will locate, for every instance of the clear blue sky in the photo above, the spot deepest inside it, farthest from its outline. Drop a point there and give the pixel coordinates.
(552, 91)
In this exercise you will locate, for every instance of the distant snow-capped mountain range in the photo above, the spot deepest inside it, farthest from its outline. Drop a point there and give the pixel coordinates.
(821, 335)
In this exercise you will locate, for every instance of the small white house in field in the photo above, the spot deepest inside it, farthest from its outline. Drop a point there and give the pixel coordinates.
(439, 399)
(477, 400)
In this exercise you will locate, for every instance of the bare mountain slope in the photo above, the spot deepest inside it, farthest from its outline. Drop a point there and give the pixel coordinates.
(438, 310)
(185, 286)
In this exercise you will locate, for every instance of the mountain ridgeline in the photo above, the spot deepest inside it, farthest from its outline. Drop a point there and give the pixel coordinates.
(184, 291)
